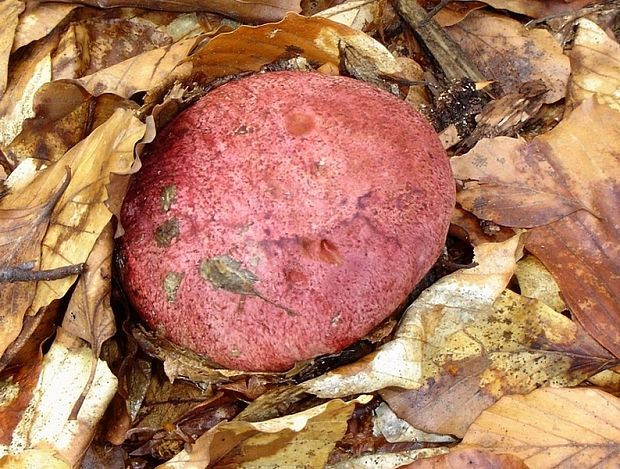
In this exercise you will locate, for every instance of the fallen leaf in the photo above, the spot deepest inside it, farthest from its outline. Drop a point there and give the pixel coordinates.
(539, 8)
(388, 460)
(356, 14)
(317, 39)
(565, 185)
(304, 439)
(535, 281)
(33, 459)
(89, 315)
(38, 21)
(24, 219)
(552, 428)
(139, 73)
(25, 77)
(81, 214)
(469, 457)
(396, 430)
(65, 114)
(9, 12)
(511, 54)
(44, 423)
(595, 64)
(247, 11)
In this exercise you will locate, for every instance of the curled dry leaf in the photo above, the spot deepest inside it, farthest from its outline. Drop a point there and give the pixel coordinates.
(45, 422)
(356, 14)
(565, 185)
(81, 214)
(317, 39)
(304, 439)
(9, 12)
(89, 315)
(38, 20)
(251, 11)
(511, 54)
(595, 63)
(552, 428)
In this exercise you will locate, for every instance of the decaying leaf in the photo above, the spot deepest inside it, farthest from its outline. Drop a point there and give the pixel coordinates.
(45, 423)
(34, 458)
(81, 214)
(595, 63)
(511, 54)
(9, 12)
(552, 428)
(564, 183)
(356, 14)
(304, 439)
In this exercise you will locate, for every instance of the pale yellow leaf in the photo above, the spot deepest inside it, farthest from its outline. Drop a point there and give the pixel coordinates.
(595, 60)
(552, 428)
(535, 281)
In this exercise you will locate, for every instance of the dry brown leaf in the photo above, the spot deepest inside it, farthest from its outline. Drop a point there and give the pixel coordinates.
(26, 76)
(304, 439)
(33, 459)
(45, 422)
(565, 183)
(24, 218)
(538, 8)
(89, 315)
(595, 61)
(38, 20)
(81, 214)
(252, 11)
(552, 428)
(460, 458)
(511, 54)
(9, 12)
(138, 73)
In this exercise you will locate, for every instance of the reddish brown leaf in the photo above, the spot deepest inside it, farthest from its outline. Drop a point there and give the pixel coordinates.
(566, 183)
(461, 458)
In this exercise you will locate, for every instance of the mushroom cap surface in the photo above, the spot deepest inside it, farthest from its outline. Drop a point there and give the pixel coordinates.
(284, 216)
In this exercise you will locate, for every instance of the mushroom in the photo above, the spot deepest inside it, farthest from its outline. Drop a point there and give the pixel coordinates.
(284, 216)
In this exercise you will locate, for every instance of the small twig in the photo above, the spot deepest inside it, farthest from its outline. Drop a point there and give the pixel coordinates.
(452, 60)
(24, 273)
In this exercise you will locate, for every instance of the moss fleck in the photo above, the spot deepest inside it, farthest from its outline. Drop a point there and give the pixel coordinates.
(172, 281)
(166, 232)
(168, 197)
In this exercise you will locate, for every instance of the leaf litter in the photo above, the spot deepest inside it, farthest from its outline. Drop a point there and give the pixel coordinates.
(469, 353)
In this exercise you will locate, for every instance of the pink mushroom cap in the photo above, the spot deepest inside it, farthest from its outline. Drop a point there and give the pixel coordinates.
(284, 216)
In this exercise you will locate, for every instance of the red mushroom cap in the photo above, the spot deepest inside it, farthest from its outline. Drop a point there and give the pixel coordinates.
(284, 216)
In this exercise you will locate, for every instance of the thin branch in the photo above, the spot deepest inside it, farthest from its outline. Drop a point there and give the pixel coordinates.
(24, 273)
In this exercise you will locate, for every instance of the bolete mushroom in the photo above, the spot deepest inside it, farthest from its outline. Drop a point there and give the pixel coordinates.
(284, 216)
